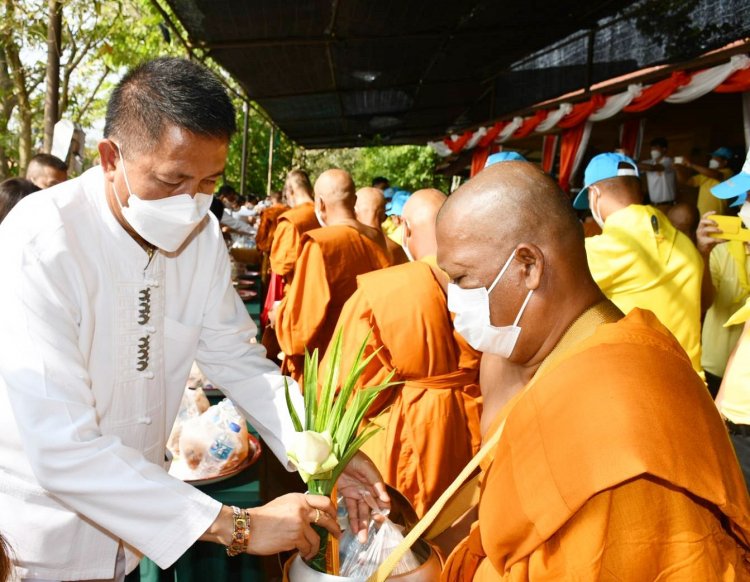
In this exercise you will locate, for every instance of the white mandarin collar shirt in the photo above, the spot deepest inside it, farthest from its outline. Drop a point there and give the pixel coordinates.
(96, 344)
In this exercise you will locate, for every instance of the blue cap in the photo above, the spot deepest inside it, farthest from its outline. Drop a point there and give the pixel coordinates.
(389, 192)
(603, 167)
(504, 157)
(736, 185)
(396, 205)
(723, 152)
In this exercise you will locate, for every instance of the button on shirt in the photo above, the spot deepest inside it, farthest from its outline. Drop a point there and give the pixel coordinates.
(96, 344)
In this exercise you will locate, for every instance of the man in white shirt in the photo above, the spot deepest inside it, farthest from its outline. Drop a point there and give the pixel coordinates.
(660, 177)
(114, 283)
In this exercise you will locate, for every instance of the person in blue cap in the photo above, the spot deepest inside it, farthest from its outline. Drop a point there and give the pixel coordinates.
(725, 286)
(706, 177)
(393, 210)
(504, 157)
(733, 399)
(641, 259)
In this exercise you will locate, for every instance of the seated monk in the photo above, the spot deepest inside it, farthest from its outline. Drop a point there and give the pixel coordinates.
(370, 210)
(612, 462)
(325, 274)
(293, 224)
(431, 421)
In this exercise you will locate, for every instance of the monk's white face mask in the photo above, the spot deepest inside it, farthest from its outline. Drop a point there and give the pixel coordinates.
(472, 321)
(165, 223)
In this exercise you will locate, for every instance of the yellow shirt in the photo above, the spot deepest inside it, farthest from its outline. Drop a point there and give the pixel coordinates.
(735, 388)
(706, 200)
(730, 279)
(658, 269)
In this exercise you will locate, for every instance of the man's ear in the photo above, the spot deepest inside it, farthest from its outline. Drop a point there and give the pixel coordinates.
(108, 154)
(407, 230)
(532, 258)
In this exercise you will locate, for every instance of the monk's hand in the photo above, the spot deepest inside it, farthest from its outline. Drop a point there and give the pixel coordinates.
(707, 227)
(362, 486)
(286, 524)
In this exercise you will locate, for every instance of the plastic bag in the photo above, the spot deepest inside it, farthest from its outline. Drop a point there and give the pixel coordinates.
(361, 560)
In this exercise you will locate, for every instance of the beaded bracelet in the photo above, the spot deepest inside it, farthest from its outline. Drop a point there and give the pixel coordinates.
(241, 533)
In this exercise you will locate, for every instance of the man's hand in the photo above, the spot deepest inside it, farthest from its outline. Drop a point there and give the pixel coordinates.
(281, 525)
(707, 227)
(285, 524)
(359, 479)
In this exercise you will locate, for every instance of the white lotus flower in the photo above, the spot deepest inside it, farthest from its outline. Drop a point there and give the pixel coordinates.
(312, 453)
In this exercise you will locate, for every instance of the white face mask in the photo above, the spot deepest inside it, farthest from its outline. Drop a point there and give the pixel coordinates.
(472, 321)
(165, 223)
(714, 164)
(405, 245)
(321, 222)
(596, 215)
(655, 154)
(744, 213)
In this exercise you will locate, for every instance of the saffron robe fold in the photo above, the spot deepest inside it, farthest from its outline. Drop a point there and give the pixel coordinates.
(286, 245)
(267, 226)
(614, 465)
(431, 425)
(325, 277)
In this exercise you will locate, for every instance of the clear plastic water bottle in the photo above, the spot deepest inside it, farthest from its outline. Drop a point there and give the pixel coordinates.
(220, 450)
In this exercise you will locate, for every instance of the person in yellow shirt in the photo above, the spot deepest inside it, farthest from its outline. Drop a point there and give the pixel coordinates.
(640, 259)
(706, 177)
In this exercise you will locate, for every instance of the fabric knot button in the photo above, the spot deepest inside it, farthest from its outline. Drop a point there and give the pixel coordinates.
(151, 283)
(150, 329)
(149, 375)
(145, 420)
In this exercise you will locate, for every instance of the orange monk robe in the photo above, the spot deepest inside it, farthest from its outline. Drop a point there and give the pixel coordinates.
(431, 429)
(615, 465)
(398, 256)
(267, 226)
(325, 277)
(287, 239)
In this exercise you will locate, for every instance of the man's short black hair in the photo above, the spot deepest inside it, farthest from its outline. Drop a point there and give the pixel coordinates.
(379, 180)
(168, 91)
(225, 190)
(660, 142)
(49, 160)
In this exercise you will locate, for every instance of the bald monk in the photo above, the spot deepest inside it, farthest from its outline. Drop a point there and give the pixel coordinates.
(431, 421)
(293, 224)
(612, 461)
(325, 274)
(370, 210)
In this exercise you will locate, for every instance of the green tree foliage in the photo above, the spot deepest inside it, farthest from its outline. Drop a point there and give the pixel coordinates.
(408, 167)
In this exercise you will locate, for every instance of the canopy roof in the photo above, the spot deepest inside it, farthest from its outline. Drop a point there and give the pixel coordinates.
(335, 73)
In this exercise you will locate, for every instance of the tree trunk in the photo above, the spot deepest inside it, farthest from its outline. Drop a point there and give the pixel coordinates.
(52, 94)
(7, 103)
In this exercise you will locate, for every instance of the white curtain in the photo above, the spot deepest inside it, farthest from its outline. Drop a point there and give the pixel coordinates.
(554, 117)
(440, 148)
(509, 130)
(474, 139)
(616, 103)
(581, 148)
(706, 81)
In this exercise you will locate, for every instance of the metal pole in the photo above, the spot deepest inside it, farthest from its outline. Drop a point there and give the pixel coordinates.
(270, 160)
(243, 168)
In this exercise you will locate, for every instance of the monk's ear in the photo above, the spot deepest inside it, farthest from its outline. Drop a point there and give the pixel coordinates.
(533, 259)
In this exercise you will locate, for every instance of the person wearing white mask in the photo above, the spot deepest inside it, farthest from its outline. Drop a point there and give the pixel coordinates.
(431, 422)
(115, 282)
(660, 176)
(603, 450)
(641, 259)
(704, 178)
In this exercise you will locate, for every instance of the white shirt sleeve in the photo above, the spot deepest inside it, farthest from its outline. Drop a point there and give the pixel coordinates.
(45, 373)
(237, 224)
(230, 360)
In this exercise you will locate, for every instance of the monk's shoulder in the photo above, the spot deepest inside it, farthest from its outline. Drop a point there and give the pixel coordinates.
(302, 217)
(409, 287)
(413, 277)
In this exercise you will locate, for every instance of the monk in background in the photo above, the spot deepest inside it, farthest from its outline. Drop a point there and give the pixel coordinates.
(266, 229)
(431, 421)
(612, 462)
(325, 274)
(370, 210)
(293, 224)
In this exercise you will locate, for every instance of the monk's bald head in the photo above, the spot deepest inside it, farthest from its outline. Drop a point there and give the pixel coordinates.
(370, 206)
(513, 213)
(418, 217)
(334, 196)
